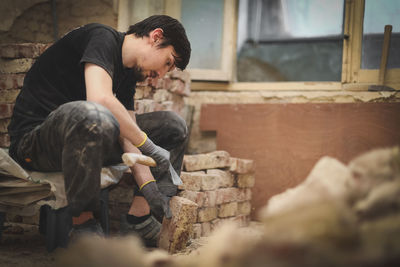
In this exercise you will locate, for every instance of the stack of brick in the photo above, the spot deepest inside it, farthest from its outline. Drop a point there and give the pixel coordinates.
(221, 187)
(16, 59)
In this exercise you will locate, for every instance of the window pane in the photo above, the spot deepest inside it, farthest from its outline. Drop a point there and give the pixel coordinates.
(377, 14)
(203, 22)
(290, 40)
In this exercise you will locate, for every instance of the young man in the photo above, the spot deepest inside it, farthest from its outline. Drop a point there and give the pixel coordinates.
(75, 114)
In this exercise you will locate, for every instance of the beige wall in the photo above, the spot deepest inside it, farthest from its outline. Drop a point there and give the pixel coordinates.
(32, 20)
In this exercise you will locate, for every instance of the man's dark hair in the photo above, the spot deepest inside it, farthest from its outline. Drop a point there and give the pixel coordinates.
(173, 32)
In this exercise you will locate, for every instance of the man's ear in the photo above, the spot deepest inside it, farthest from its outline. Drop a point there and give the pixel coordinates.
(156, 35)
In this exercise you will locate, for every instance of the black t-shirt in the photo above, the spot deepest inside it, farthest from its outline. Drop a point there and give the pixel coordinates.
(57, 77)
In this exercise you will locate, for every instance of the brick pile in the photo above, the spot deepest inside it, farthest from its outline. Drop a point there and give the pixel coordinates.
(152, 95)
(221, 187)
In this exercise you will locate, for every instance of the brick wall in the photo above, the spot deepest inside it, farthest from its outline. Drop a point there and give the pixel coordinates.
(16, 59)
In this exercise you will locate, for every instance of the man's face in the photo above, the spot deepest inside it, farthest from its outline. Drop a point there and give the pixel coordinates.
(155, 62)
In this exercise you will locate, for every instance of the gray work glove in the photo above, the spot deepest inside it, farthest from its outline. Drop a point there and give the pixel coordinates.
(161, 156)
(159, 203)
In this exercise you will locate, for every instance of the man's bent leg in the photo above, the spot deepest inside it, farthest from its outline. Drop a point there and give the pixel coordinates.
(74, 139)
(168, 130)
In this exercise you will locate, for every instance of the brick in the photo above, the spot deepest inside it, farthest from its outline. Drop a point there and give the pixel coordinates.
(196, 231)
(244, 194)
(209, 182)
(6, 110)
(196, 197)
(191, 181)
(9, 96)
(213, 160)
(226, 195)
(241, 165)
(3, 125)
(241, 220)
(20, 65)
(227, 210)
(226, 179)
(175, 232)
(209, 198)
(179, 87)
(246, 180)
(163, 106)
(207, 214)
(11, 80)
(4, 140)
(178, 74)
(144, 106)
(244, 208)
(206, 229)
(162, 95)
(22, 50)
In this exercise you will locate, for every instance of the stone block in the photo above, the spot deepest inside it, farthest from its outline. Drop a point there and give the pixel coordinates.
(9, 96)
(162, 95)
(11, 81)
(196, 197)
(244, 208)
(6, 110)
(246, 180)
(241, 165)
(22, 50)
(216, 159)
(20, 65)
(226, 195)
(244, 194)
(209, 182)
(175, 232)
(226, 179)
(196, 231)
(4, 140)
(3, 125)
(191, 181)
(207, 214)
(206, 229)
(228, 210)
(209, 198)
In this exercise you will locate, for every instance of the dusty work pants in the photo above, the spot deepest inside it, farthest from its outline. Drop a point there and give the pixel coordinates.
(80, 137)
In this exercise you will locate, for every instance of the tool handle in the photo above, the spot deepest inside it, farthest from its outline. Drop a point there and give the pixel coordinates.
(131, 159)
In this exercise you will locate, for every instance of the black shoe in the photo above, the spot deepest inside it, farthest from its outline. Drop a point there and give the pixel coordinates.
(148, 231)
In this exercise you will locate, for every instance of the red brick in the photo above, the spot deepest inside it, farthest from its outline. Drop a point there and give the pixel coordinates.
(226, 195)
(206, 214)
(227, 210)
(213, 160)
(226, 179)
(19, 65)
(6, 110)
(175, 232)
(22, 50)
(245, 180)
(191, 181)
(3, 125)
(4, 140)
(11, 81)
(241, 165)
(196, 197)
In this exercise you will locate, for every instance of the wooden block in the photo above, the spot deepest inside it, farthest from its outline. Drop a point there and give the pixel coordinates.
(216, 159)
(175, 232)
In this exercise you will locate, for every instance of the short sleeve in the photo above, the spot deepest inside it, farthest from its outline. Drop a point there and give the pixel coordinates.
(101, 49)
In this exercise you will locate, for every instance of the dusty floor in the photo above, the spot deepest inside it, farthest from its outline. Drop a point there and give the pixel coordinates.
(23, 245)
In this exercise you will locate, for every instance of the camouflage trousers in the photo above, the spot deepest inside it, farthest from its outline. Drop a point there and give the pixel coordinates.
(80, 137)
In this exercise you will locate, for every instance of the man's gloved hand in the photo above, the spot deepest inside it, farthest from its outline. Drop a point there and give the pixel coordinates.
(159, 203)
(159, 154)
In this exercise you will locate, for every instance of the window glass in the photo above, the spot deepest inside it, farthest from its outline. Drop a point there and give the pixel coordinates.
(377, 14)
(203, 22)
(290, 40)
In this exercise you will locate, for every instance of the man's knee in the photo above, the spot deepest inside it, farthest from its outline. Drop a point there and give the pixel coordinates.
(90, 117)
(176, 126)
